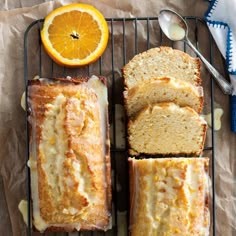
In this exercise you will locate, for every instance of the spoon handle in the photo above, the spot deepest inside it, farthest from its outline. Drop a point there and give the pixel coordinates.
(222, 82)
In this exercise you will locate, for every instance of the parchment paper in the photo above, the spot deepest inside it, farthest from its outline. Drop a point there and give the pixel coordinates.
(13, 23)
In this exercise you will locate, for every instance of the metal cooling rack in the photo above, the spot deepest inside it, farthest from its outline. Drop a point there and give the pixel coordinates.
(128, 36)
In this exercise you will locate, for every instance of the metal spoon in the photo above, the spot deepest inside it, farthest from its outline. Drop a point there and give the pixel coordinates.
(176, 29)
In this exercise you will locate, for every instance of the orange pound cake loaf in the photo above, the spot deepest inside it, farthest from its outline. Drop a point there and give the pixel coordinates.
(169, 196)
(166, 129)
(69, 154)
(164, 89)
(159, 62)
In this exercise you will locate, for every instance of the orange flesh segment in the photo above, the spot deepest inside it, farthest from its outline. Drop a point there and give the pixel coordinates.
(79, 38)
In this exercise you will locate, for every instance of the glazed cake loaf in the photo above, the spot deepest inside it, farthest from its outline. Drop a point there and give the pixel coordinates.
(162, 62)
(166, 129)
(164, 89)
(69, 154)
(169, 196)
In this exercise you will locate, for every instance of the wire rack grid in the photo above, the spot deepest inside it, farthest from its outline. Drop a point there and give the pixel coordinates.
(128, 37)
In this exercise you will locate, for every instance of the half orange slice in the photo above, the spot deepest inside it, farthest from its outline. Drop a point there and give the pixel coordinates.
(75, 34)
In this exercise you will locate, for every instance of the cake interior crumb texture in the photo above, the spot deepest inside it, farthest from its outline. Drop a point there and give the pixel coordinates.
(159, 62)
(166, 129)
(163, 89)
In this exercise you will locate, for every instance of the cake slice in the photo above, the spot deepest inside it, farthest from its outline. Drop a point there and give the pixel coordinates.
(159, 62)
(166, 129)
(169, 196)
(69, 154)
(164, 89)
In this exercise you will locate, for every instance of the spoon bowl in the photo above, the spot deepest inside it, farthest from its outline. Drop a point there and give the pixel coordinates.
(176, 29)
(173, 25)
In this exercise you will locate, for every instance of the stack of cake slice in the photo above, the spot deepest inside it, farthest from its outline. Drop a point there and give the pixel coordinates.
(163, 99)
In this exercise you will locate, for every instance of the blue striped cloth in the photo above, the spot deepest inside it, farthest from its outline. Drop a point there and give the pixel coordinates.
(221, 20)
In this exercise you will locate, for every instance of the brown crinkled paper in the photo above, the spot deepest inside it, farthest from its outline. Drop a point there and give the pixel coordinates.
(13, 23)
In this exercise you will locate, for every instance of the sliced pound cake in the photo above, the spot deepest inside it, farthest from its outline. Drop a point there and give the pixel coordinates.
(162, 89)
(166, 129)
(159, 62)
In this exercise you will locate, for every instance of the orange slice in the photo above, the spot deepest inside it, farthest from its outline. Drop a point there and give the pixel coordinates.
(75, 34)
